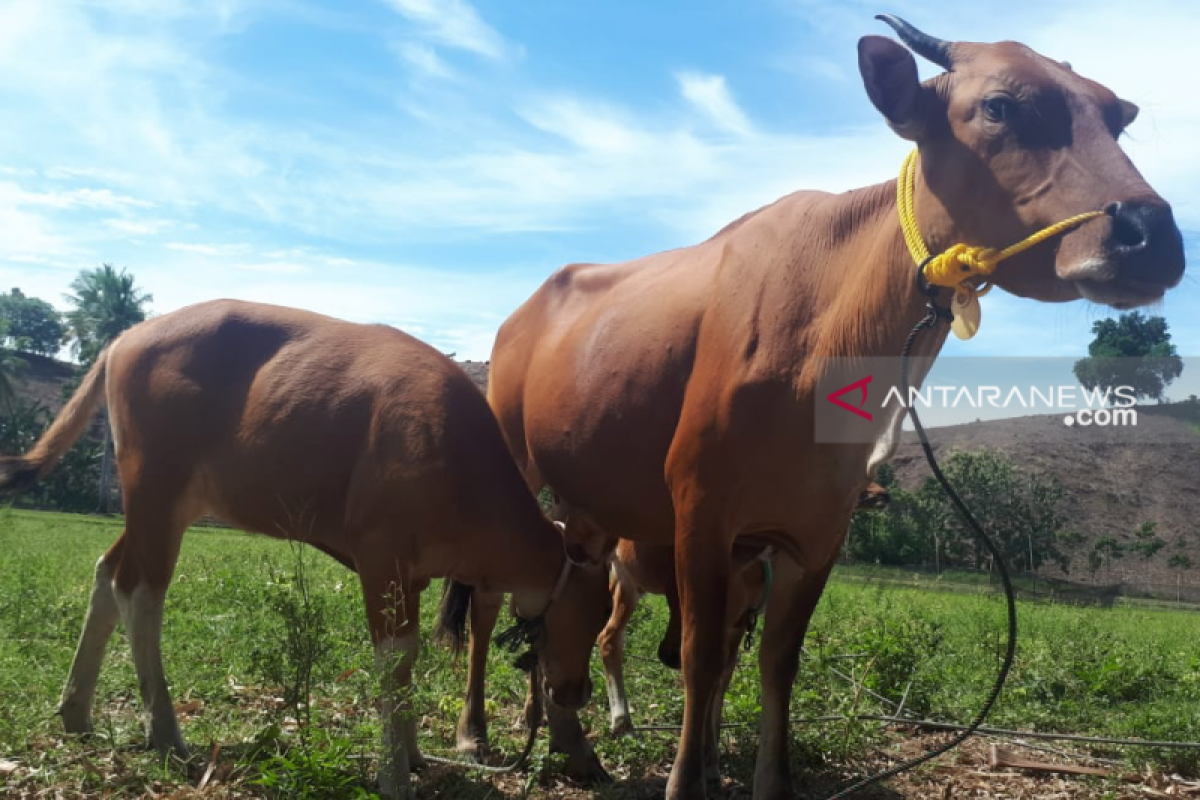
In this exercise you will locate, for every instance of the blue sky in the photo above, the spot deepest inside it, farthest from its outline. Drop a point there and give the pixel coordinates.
(426, 163)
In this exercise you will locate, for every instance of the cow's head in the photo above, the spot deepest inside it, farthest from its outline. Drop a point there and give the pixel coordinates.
(873, 497)
(573, 620)
(1011, 142)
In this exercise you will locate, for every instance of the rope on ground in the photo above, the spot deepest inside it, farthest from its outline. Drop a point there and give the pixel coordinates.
(533, 720)
(948, 726)
(1061, 737)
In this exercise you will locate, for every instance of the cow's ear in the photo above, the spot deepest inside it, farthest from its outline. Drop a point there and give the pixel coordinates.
(889, 73)
(1129, 113)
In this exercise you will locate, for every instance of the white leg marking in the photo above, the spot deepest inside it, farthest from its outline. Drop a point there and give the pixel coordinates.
(612, 649)
(885, 446)
(614, 683)
(394, 658)
(142, 612)
(98, 625)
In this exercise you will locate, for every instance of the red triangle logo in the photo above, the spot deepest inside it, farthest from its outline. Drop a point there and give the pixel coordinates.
(861, 384)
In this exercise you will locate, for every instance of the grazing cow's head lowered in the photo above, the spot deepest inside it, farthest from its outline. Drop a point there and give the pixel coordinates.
(572, 624)
(1011, 142)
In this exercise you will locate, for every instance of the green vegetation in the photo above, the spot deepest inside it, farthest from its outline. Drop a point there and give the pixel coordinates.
(71, 485)
(11, 366)
(30, 325)
(267, 651)
(1017, 508)
(1132, 350)
(105, 303)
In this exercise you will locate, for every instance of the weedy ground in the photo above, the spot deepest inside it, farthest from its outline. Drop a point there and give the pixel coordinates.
(266, 649)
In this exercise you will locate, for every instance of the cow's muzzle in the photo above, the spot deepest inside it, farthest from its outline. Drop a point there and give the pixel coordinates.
(1145, 243)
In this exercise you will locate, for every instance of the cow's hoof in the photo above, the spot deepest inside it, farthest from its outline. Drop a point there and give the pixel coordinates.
(473, 748)
(587, 770)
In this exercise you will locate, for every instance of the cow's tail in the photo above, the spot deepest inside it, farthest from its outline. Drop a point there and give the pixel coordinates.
(18, 473)
(452, 619)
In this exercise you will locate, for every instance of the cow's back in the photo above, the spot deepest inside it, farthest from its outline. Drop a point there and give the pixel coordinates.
(294, 424)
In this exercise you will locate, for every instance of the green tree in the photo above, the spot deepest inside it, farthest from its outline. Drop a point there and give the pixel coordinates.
(1180, 561)
(1104, 553)
(33, 326)
(1018, 509)
(11, 365)
(899, 535)
(1132, 350)
(1146, 541)
(104, 303)
(71, 485)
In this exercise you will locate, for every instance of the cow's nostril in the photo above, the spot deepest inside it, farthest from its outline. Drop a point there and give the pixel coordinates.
(1131, 225)
(1128, 233)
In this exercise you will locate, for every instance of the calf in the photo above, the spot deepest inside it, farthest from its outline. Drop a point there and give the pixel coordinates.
(356, 439)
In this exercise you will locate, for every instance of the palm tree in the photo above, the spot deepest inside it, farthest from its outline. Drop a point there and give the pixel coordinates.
(106, 303)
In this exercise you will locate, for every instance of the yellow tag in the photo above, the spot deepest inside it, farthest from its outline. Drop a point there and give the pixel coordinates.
(965, 307)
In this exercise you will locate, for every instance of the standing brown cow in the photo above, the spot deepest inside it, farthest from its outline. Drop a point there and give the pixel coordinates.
(672, 399)
(356, 439)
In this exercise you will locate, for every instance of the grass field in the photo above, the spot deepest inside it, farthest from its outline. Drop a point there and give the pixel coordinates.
(235, 628)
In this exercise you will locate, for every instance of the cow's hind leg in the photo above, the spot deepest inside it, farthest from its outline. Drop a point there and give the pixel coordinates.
(472, 734)
(393, 615)
(612, 649)
(102, 617)
(791, 607)
(672, 641)
(712, 744)
(146, 562)
(701, 564)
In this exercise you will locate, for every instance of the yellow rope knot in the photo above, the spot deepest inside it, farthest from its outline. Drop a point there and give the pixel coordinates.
(960, 262)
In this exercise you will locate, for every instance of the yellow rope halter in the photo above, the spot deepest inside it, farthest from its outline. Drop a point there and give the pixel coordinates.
(960, 262)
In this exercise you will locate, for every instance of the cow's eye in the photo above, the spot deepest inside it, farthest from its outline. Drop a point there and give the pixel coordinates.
(999, 108)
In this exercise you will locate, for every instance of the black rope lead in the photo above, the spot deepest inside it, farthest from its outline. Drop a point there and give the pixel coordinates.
(930, 320)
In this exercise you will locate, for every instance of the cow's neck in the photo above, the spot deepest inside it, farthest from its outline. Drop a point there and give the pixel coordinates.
(876, 301)
(525, 560)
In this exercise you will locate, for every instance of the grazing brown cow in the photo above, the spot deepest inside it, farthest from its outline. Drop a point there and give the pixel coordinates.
(672, 399)
(639, 569)
(356, 439)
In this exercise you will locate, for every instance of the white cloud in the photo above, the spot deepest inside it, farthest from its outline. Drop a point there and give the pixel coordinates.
(137, 227)
(711, 96)
(28, 236)
(424, 59)
(96, 199)
(453, 23)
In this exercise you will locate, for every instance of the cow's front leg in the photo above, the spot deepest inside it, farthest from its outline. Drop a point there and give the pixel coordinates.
(567, 736)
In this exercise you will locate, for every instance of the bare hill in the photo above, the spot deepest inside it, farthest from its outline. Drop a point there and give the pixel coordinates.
(1113, 483)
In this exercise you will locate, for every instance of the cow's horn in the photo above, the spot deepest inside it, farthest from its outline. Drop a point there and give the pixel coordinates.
(936, 50)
